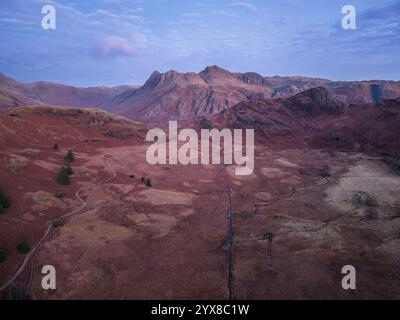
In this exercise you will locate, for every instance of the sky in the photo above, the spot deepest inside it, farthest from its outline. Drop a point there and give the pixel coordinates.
(113, 42)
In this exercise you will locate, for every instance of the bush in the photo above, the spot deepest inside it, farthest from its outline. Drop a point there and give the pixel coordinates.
(5, 200)
(17, 293)
(59, 195)
(56, 146)
(148, 182)
(23, 246)
(63, 178)
(58, 223)
(70, 156)
(364, 199)
(3, 254)
(121, 134)
(1, 209)
(69, 171)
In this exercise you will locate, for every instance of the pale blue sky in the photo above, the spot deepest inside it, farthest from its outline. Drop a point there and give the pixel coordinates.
(110, 42)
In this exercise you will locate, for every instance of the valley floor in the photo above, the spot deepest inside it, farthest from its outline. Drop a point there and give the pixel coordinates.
(168, 241)
(322, 210)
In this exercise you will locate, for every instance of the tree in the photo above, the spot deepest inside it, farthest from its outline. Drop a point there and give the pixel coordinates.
(3, 254)
(63, 178)
(69, 171)
(148, 182)
(70, 156)
(17, 293)
(23, 246)
(5, 200)
(58, 223)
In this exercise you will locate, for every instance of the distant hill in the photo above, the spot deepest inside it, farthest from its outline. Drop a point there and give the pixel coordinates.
(14, 94)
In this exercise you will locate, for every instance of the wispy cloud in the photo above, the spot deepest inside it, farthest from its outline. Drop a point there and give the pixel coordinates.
(225, 13)
(244, 5)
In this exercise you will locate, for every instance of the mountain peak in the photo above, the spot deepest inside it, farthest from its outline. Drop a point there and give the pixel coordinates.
(215, 72)
(213, 69)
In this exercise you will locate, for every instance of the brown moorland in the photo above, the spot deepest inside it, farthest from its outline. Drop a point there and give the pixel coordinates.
(168, 241)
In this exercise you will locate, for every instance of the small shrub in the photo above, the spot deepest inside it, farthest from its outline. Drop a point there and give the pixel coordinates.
(70, 156)
(59, 195)
(148, 183)
(334, 137)
(142, 180)
(364, 199)
(69, 171)
(3, 254)
(56, 146)
(23, 246)
(120, 134)
(5, 200)
(110, 133)
(58, 223)
(63, 178)
(17, 293)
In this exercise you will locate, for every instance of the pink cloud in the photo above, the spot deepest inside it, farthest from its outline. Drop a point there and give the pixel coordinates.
(111, 47)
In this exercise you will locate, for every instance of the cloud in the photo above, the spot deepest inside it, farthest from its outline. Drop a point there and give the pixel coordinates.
(387, 12)
(13, 21)
(106, 13)
(224, 13)
(134, 10)
(190, 14)
(112, 47)
(245, 5)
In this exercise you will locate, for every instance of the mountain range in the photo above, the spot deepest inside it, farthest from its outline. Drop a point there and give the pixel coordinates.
(189, 96)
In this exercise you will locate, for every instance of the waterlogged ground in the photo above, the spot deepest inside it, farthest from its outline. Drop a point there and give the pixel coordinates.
(168, 241)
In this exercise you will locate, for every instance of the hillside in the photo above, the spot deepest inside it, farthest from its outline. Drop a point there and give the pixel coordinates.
(14, 93)
(314, 118)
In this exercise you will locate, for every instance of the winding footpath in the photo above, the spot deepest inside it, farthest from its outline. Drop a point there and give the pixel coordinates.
(52, 229)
